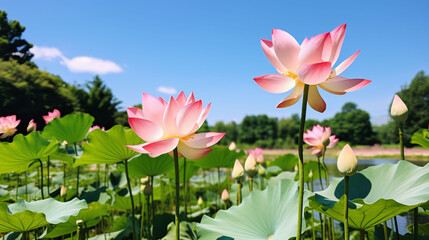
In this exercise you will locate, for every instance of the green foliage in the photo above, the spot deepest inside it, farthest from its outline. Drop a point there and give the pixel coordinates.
(376, 194)
(260, 127)
(416, 97)
(231, 130)
(285, 162)
(219, 158)
(12, 45)
(72, 128)
(421, 138)
(100, 103)
(143, 165)
(18, 155)
(260, 215)
(24, 216)
(30, 93)
(352, 125)
(388, 133)
(109, 146)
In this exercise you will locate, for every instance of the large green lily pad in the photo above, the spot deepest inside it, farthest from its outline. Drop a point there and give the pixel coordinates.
(377, 194)
(421, 137)
(285, 162)
(109, 146)
(219, 158)
(269, 214)
(24, 216)
(143, 165)
(24, 150)
(72, 128)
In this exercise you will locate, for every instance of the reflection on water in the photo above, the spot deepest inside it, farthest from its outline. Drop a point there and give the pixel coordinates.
(331, 164)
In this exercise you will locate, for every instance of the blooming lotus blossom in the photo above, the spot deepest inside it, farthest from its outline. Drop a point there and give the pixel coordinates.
(96, 127)
(8, 126)
(310, 63)
(32, 126)
(167, 126)
(318, 138)
(51, 116)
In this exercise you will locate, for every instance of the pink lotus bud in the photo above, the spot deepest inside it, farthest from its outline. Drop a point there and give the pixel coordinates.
(232, 146)
(31, 126)
(63, 191)
(225, 195)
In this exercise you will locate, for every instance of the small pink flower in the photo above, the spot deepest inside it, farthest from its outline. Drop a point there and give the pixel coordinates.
(51, 116)
(310, 63)
(258, 154)
(225, 195)
(8, 126)
(318, 137)
(166, 126)
(32, 126)
(95, 127)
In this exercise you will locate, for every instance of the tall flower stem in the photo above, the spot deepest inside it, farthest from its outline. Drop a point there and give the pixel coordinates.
(41, 178)
(250, 184)
(239, 192)
(218, 187)
(184, 187)
(331, 220)
(132, 198)
(49, 181)
(301, 161)
(346, 207)
(176, 215)
(322, 220)
(78, 171)
(313, 230)
(401, 140)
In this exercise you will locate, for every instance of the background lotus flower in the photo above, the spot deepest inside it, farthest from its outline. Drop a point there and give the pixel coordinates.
(165, 126)
(309, 63)
(51, 116)
(32, 126)
(238, 170)
(399, 110)
(8, 126)
(258, 154)
(232, 146)
(318, 137)
(225, 195)
(96, 127)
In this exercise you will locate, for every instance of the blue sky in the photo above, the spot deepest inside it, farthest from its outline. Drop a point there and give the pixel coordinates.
(213, 48)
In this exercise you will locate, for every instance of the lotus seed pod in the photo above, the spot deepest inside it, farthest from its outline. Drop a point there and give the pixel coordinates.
(225, 195)
(347, 161)
(63, 191)
(399, 110)
(237, 171)
(232, 146)
(200, 201)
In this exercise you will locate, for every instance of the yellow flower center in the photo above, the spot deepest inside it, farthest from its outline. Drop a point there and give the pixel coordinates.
(271, 236)
(292, 75)
(186, 138)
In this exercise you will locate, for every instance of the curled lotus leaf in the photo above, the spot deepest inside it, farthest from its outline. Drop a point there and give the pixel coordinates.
(276, 220)
(376, 194)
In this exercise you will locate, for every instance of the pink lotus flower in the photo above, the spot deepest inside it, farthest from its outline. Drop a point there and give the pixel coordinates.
(225, 195)
(318, 138)
(309, 63)
(95, 127)
(258, 154)
(165, 126)
(51, 116)
(8, 126)
(32, 126)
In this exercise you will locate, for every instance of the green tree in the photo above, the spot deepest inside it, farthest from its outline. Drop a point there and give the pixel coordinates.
(352, 125)
(30, 93)
(100, 103)
(387, 133)
(416, 97)
(261, 127)
(12, 45)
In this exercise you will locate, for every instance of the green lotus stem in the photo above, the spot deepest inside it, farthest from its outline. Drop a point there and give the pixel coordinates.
(177, 212)
(64, 174)
(238, 200)
(98, 175)
(17, 185)
(184, 186)
(132, 198)
(416, 223)
(151, 199)
(48, 166)
(78, 231)
(401, 140)
(162, 194)
(148, 216)
(320, 173)
(396, 227)
(25, 236)
(313, 231)
(141, 222)
(386, 237)
(41, 177)
(301, 161)
(218, 188)
(261, 180)
(78, 172)
(26, 187)
(346, 207)
(250, 184)
(331, 226)
(362, 234)
(106, 171)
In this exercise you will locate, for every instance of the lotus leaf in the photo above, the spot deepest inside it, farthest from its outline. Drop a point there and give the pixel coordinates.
(24, 216)
(219, 158)
(18, 155)
(421, 137)
(376, 194)
(109, 146)
(249, 221)
(285, 162)
(72, 128)
(186, 231)
(143, 165)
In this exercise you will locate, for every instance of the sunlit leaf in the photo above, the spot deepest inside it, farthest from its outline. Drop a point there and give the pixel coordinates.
(143, 165)
(72, 128)
(24, 150)
(376, 194)
(285, 162)
(421, 137)
(219, 158)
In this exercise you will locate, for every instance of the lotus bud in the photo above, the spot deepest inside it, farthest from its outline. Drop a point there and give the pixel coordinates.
(200, 201)
(144, 180)
(78, 222)
(64, 143)
(225, 195)
(147, 189)
(399, 110)
(295, 168)
(347, 161)
(237, 171)
(232, 146)
(310, 175)
(250, 165)
(31, 126)
(261, 170)
(63, 191)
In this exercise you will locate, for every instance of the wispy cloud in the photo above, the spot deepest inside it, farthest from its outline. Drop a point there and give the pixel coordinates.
(167, 90)
(81, 64)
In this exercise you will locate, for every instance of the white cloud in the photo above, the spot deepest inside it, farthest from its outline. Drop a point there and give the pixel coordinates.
(45, 53)
(167, 90)
(80, 64)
